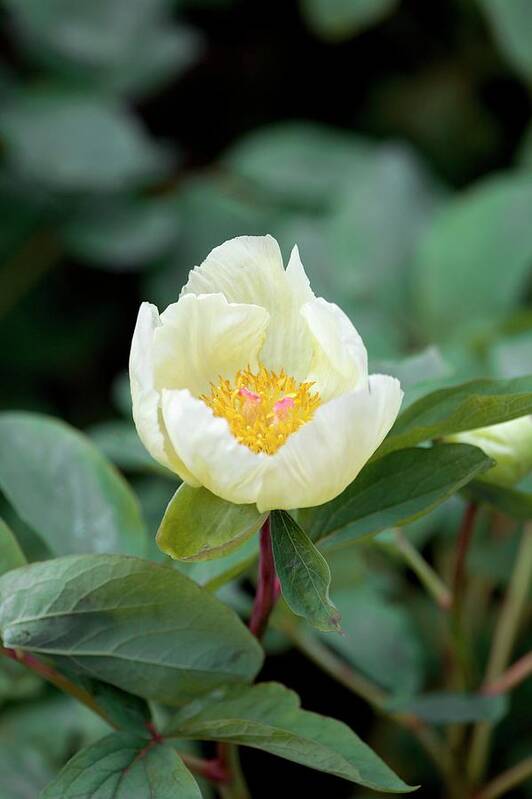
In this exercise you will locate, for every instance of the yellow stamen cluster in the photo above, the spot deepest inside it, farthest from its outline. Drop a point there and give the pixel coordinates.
(263, 409)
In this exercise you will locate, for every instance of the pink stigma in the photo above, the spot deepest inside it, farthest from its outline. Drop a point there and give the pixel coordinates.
(250, 396)
(283, 405)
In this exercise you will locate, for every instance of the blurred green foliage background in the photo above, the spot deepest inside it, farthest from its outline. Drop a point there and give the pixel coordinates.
(390, 139)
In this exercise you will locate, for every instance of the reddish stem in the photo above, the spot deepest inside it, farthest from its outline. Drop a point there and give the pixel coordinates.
(520, 670)
(268, 586)
(464, 540)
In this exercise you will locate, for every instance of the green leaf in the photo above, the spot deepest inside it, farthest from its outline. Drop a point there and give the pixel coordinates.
(142, 627)
(298, 163)
(75, 142)
(17, 682)
(124, 234)
(11, 555)
(100, 43)
(375, 226)
(28, 726)
(377, 632)
(511, 501)
(448, 708)
(209, 212)
(37, 737)
(458, 264)
(23, 771)
(123, 710)
(64, 489)
(268, 717)
(392, 491)
(119, 441)
(511, 23)
(123, 766)
(212, 574)
(303, 572)
(198, 525)
(478, 403)
(341, 19)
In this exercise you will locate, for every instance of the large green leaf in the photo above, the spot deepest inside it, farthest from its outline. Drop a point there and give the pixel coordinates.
(458, 265)
(212, 574)
(11, 555)
(298, 163)
(36, 738)
(303, 572)
(478, 403)
(268, 716)
(64, 489)
(122, 710)
(121, 234)
(75, 142)
(119, 441)
(511, 501)
(375, 226)
(449, 708)
(392, 491)
(142, 627)
(198, 525)
(123, 766)
(17, 682)
(100, 42)
(511, 23)
(341, 19)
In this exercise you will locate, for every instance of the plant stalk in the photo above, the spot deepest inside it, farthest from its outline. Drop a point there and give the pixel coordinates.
(432, 743)
(430, 580)
(507, 780)
(267, 586)
(228, 760)
(501, 647)
(54, 677)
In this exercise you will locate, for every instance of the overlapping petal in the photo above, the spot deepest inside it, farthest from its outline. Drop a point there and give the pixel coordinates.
(205, 444)
(339, 358)
(325, 455)
(249, 269)
(203, 338)
(146, 398)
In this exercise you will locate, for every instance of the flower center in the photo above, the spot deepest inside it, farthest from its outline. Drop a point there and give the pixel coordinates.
(263, 409)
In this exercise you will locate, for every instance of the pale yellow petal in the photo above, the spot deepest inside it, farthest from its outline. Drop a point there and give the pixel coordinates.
(249, 269)
(146, 398)
(339, 359)
(325, 455)
(209, 449)
(205, 337)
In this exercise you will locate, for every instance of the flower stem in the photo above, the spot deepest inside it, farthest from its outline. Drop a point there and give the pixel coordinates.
(430, 580)
(235, 787)
(323, 657)
(465, 536)
(52, 676)
(268, 589)
(209, 769)
(267, 586)
(461, 652)
(507, 780)
(520, 670)
(432, 743)
(501, 646)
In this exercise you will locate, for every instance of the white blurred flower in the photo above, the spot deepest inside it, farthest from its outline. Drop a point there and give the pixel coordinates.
(510, 446)
(253, 387)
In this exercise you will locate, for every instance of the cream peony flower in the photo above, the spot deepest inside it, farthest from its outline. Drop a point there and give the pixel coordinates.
(510, 446)
(253, 387)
